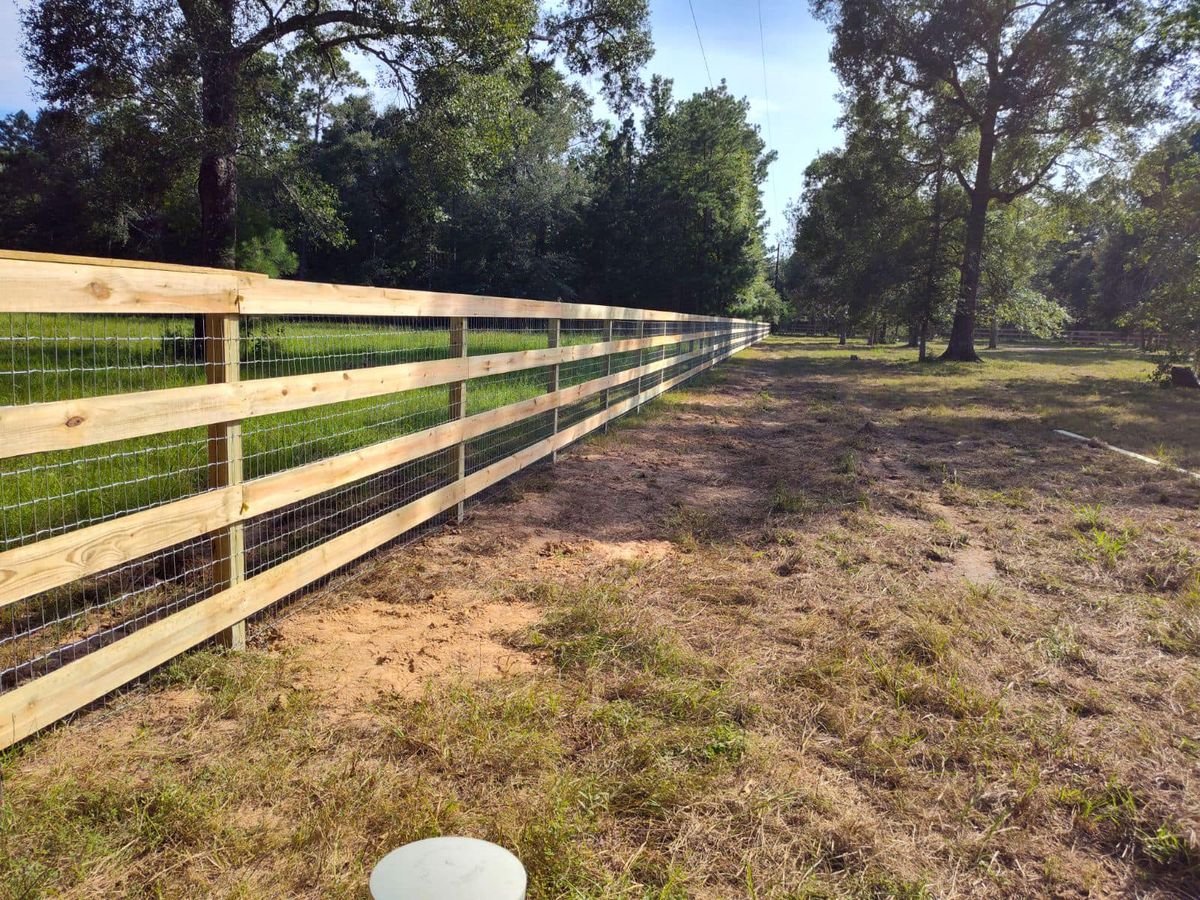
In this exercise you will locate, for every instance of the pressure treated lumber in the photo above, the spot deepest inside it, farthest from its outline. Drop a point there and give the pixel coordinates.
(34, 286)
(51, 562)
(312, 299)
(45, 700)
(222, 365)
(69, 424)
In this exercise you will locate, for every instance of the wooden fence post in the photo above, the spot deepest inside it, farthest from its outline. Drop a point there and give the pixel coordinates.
(608, 336)
(553, 333)
(641, 361)
(222, 363)
(458, 403)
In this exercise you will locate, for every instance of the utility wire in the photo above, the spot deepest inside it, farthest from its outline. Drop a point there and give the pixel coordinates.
(700, 41)
(762, 47)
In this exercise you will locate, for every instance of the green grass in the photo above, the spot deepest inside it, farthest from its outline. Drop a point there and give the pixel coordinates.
(55, 357)
(765, 688)
(632, 731)
(1097, 392)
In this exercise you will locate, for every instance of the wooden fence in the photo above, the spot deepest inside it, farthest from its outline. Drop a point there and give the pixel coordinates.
(182, 448)
(1078, 337)
(1144, 340)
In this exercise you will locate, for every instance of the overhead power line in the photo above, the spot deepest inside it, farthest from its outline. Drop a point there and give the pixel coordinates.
(700, 41)
(762, 47)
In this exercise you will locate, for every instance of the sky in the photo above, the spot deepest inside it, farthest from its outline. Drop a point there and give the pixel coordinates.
(801, 88)
(800, 85)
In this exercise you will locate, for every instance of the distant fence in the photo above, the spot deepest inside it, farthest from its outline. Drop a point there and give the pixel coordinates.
(1145, 340)
(182, 448)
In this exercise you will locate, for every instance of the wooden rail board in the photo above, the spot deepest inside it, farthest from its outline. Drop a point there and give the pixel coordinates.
(48, 563)
(72, 259)
(58, 560)
(34, 286)
(82, 422)
(51, 283)
(312, 299)
(43, 701)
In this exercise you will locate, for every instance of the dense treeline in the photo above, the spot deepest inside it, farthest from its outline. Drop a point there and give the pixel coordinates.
(491, 174)
(1031, 164)
(1027, 164)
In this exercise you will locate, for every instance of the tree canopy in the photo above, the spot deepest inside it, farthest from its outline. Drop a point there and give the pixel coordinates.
(211, 70)
(483, 178)
(1018, 89)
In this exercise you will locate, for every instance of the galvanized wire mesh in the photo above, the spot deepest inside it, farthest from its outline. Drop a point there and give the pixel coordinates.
(52, 357)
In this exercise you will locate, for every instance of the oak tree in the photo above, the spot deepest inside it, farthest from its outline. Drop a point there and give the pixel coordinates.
(1029, 85)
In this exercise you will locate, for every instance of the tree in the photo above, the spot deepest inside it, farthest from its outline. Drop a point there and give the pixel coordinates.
(1027, 84)
(513, 227)
(1012, 255)
(675, 220)
(192, 61)
(702, 173)
(613, 236)
(76, 184)
(326, 75)
(860, 232)
(1163, 244)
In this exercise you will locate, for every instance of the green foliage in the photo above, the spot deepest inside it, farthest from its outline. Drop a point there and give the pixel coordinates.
(1007, 92)
(695, 172)
(865, 252)
(491, 178)
(1161, 242)
(267, 253)
(759, 301)
(242, 91)
(1016, 234)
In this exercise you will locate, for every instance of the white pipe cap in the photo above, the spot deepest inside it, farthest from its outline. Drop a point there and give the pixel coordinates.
(449, 868)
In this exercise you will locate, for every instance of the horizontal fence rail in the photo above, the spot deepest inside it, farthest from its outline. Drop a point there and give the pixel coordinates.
(184, 448)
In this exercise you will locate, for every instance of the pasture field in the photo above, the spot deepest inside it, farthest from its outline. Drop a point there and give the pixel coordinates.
(810, 627)
(54, 357)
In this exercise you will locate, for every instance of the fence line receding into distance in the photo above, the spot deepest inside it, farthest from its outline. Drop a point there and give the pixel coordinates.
(182, 448)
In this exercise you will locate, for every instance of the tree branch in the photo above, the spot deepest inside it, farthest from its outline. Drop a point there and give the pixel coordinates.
(313, 21)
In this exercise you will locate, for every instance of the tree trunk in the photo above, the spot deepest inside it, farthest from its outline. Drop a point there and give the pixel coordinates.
(962, 334)
(218, 169)
(994, 335)
(212, 26)
(923, 339)
(914, 334)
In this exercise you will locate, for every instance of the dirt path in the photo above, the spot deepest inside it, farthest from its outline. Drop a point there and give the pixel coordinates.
(441, 609)
(804, 630)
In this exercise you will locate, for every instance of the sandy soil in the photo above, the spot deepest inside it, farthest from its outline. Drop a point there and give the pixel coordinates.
(944, 680)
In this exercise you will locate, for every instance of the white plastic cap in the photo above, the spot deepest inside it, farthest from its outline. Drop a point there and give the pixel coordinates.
(449, 868)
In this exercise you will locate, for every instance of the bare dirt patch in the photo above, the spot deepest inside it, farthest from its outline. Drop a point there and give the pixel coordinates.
(814, 628)
(352, 653)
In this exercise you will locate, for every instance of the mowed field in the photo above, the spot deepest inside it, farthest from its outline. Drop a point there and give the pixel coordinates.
(812, 627)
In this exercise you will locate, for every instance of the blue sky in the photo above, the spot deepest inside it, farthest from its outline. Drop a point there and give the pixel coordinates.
(800, 85)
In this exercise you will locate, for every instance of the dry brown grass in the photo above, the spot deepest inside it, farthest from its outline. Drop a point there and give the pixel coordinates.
(815, 628)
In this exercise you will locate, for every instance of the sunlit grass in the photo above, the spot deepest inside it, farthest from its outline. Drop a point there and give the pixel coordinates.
(1102, 392)
(56, 357)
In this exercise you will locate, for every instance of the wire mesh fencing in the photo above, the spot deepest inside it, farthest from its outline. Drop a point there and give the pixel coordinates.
(184, 450)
